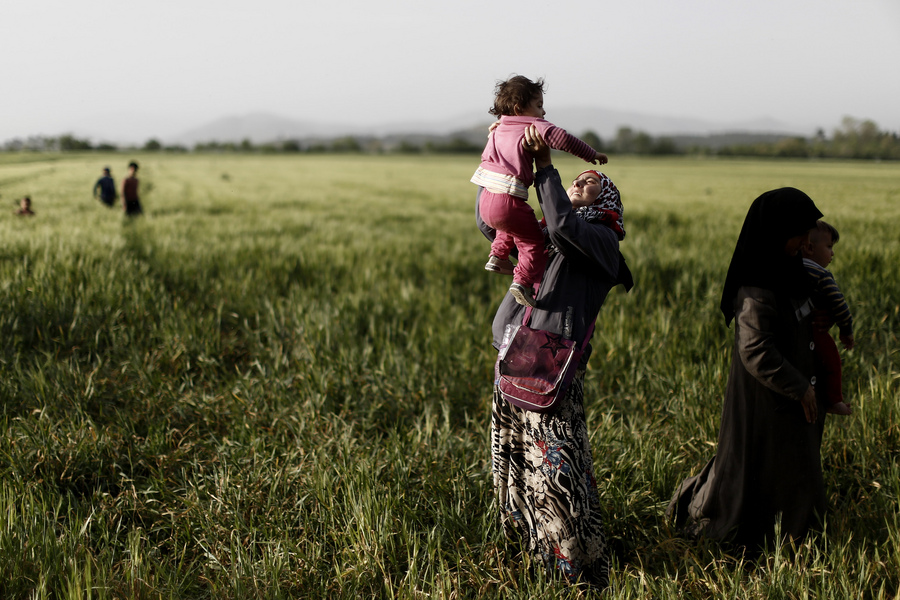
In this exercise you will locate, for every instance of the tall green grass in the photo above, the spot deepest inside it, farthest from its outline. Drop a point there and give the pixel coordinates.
(276, 383)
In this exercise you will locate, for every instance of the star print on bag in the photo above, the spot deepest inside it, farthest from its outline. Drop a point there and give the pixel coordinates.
(554, 343)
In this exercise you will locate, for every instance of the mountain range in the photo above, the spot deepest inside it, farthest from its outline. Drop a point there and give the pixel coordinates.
(266, 127)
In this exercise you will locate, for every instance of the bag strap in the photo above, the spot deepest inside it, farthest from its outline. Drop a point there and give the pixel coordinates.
(529, 309)
(587, 336)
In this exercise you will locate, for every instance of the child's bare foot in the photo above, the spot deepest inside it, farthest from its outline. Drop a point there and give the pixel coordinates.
(840, 408)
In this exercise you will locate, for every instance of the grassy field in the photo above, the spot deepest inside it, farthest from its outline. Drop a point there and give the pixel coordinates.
(276, 383)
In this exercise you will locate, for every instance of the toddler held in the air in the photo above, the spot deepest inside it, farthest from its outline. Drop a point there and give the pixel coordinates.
(506, 174)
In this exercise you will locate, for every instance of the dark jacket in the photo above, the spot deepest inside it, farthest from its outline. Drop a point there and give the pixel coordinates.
(767, 466)
(578, 277)
(107, 188)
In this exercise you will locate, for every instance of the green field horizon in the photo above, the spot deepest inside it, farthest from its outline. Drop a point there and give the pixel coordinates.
(276, 383)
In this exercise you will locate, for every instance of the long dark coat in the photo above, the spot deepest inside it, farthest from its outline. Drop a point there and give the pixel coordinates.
(767, 465)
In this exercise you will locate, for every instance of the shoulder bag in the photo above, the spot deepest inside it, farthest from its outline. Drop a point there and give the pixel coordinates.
(534, 367)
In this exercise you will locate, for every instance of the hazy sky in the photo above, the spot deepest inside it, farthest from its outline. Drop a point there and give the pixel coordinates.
(157, 68)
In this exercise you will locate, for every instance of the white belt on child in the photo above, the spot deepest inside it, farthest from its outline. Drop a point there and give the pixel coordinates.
(498, 183)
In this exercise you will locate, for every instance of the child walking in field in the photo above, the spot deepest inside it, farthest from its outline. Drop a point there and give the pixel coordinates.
(505, 175)
(817, 254)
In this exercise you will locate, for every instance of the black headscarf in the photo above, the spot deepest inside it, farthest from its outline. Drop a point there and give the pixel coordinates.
(759, 259)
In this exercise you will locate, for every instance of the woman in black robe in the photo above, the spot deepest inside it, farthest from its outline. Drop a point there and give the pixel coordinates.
(767, 468)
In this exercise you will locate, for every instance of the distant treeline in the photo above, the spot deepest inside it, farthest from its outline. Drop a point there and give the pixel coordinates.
(854, 139)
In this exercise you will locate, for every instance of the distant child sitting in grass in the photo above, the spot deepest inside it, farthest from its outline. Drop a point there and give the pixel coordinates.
(25, 207)
(817, 254)
(505, 175)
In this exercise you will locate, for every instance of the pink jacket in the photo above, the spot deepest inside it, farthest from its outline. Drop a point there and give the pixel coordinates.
(504, 153)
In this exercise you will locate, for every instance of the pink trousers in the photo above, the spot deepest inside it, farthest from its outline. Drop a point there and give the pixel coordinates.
(517, 226)
(828, 367)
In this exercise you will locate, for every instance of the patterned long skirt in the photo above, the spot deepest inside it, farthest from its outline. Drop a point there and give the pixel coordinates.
(544, 481)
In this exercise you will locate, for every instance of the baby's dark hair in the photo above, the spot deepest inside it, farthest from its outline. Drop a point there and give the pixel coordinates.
(823, 227)
(515, 91)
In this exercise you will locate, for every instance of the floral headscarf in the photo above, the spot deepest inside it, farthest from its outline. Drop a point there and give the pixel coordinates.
(607, 209)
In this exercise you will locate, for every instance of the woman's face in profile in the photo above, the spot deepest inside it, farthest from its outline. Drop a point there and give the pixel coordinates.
(793, 245)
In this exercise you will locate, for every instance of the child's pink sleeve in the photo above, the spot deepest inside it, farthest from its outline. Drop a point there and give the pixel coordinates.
(558, 139)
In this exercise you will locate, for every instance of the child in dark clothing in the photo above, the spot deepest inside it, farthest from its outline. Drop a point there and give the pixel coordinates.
(130, 200)
(817, 254)
(105, 188)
